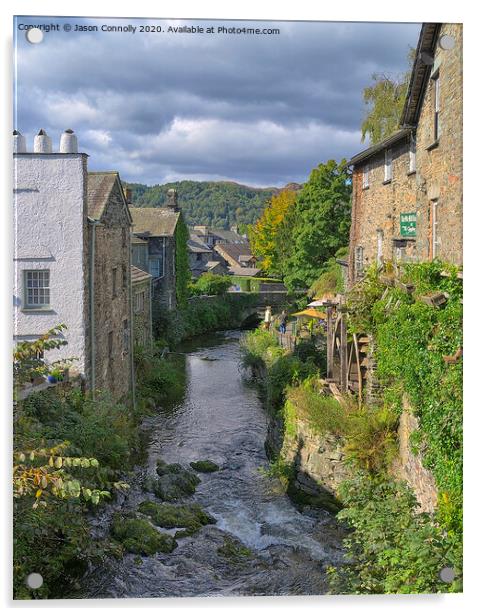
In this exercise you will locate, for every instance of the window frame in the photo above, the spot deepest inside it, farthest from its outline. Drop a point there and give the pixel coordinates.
(412, 154)
(366, 176)
(388, 166)
(46, 289)
(114, 282)
(436, 105)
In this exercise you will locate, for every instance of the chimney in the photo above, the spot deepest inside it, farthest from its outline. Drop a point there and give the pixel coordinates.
(128, 195)
(68, 142)
(171, 200)
(19, 143)
(42, 144)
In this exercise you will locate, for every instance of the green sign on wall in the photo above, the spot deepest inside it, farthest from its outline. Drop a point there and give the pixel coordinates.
(408, 224)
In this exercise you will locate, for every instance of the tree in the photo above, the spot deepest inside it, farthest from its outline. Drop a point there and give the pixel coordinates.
(385, 99)
(317, 226)
(183, 272)
(263, 233)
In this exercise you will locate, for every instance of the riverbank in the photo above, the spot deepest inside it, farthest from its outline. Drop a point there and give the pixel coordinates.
(333, 455)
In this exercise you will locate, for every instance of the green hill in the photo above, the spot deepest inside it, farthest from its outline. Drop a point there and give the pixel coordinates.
(217, 204)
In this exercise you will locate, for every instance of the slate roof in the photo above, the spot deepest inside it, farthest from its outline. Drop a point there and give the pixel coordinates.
(195, 244)
(99, 188)
(244, 271)
(378, 147)
(420, 74)
(138, 275)
(232, 251)
(154, 221)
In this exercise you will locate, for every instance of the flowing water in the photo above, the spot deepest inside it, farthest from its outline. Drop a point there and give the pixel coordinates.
(221, 418)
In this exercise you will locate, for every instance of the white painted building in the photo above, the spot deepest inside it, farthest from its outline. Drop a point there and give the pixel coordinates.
(72, 261)
(50, 244)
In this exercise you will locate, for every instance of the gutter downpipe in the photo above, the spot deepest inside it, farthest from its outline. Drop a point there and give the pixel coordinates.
(94, 224)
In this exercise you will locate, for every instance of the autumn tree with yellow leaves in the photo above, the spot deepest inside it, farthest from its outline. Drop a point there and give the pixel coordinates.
(263, 234)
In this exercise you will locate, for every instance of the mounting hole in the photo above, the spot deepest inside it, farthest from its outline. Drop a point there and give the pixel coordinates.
(446, 41)
(34, 580)
(447, 575)
(34, 35)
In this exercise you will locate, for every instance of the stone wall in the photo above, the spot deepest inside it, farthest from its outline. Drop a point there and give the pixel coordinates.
(164, 288)
(376, 209)
(439, 164)
(113, 340)
(408, 466)
(142, 328)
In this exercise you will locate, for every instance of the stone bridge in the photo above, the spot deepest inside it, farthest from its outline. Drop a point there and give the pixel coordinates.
(276, 299)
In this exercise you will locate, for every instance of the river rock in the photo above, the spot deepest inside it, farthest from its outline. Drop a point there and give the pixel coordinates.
(190, 517)
(174, 482)
(139, 537)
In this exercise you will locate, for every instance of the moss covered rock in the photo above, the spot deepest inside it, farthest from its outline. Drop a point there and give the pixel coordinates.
(234, 550)
(139, 537)
(174, 482)
(205, 466)
(189, 517)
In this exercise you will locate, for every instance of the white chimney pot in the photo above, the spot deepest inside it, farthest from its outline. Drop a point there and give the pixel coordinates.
(68, 142)
(42, 144)
(19, 143)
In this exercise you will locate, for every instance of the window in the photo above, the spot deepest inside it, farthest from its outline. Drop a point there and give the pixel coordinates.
(412, 161)
(37, 288)
(388, 165)
(140, 301)
(114, 281)
(154, 267)
(436, 119)
(379, 247)
(434, 230)
(124, 277)
(366, 177)
(359, 261)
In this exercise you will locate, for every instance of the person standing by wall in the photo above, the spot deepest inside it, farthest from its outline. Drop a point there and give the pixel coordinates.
(267, 317)
(283, 321)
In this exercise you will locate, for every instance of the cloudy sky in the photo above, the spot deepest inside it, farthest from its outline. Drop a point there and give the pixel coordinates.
(258, 109)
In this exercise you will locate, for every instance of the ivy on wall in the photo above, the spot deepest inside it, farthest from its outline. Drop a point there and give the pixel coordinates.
(183, 273)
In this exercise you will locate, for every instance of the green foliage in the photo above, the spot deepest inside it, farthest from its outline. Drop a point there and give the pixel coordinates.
(371, 439)
(279, 469)
(316, 226)
(216, 204)
(202, 315)
(392, 547)
(385, 99)
(183, 272)
(139, 537)
(159, 380)
(28, 360)
(324, 413)
(261, 351)
(251, 284)
(210, 284)
(331, 278)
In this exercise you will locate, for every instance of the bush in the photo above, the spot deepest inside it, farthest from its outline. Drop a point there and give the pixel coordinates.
(392, 548)
(211, 284)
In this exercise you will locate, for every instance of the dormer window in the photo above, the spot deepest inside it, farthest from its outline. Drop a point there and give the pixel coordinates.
(388, 165)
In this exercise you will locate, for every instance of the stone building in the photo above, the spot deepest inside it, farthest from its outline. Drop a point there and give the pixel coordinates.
(407, 190)
(142, 307)
(72, 261)
(158, 226)
(237, 258)
(199, 254)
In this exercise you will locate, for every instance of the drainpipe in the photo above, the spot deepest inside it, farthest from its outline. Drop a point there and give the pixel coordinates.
(93, 224)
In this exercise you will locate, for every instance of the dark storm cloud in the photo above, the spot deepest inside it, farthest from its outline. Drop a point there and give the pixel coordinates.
(263, 110)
